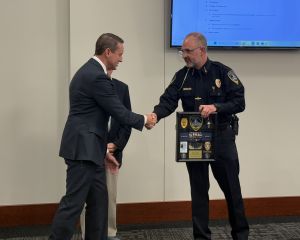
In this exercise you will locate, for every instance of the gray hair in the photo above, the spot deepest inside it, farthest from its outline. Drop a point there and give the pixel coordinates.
(199, 37)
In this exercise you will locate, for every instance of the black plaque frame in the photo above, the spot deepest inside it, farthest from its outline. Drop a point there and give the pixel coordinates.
(195, 137)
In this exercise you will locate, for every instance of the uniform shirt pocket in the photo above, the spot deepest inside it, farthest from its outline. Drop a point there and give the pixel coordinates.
(217, 95)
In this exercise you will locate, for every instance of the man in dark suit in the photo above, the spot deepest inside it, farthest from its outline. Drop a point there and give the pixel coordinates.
(118, 136)
(93, 99)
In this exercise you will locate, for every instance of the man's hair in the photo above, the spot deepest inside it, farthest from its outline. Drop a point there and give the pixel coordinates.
(107, 40)
(199, 37)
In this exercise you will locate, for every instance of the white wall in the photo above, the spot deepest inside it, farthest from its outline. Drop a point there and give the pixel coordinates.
(34, 77)
(142, 175)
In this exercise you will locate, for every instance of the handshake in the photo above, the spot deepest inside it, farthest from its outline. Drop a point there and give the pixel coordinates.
(151, 120)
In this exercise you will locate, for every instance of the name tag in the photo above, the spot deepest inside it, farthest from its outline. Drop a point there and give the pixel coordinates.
(187, 89)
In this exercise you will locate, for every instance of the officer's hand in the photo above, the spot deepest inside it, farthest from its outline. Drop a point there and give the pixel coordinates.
(151, 120)
(206, 110)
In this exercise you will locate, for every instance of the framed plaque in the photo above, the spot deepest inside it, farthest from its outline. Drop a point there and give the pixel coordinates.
(195, 137)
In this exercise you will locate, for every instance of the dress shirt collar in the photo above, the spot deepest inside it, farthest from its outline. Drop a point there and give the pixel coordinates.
(101, 63)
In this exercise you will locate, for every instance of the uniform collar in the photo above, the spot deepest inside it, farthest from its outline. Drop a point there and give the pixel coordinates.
(205, 68)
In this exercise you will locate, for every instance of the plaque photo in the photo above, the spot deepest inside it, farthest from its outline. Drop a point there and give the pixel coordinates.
(195, 137)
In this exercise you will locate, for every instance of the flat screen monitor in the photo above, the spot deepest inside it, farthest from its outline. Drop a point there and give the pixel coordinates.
(238, 24)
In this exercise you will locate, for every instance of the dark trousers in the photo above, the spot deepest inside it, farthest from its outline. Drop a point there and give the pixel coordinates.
(226, 171)
(86, 183)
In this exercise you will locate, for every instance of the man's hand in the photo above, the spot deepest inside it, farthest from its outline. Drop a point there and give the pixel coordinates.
(151, 120)
(111, 163)
(206, 110)
(111, 147)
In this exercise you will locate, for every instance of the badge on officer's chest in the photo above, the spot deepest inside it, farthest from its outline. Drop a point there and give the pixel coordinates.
(218, 83)
(233, 77)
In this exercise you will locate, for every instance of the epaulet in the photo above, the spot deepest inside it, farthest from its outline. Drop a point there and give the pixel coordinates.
(219, 64)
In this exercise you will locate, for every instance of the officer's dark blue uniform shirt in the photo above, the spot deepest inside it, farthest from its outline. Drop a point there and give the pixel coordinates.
(214, 83)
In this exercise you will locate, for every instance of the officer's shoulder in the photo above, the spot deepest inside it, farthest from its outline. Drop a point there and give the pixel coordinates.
(181, 71)
(227, 72)
(179, 75)
(220, 66)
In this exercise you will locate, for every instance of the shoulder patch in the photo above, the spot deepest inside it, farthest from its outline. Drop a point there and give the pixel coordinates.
(233, 77)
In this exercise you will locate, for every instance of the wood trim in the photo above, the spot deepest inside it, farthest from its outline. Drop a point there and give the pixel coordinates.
(153, 212)
(272, 207)
(181, 211)
(26, 215)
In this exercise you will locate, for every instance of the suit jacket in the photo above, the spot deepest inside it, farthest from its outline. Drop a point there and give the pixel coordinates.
(92, 100)
(119, 133)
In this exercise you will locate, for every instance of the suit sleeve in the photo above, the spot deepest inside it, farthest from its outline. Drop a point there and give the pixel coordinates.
(105, 95)
(124, 131)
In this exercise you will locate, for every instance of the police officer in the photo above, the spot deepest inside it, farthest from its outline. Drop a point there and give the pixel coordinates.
(207, 86)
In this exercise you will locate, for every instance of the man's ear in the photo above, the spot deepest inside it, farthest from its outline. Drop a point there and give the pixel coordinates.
(107, 52)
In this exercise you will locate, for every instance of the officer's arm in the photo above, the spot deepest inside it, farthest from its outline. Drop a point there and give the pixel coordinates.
(168, 102)
(235, 99)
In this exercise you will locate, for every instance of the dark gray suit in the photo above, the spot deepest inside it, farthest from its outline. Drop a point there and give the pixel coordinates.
(119, 133)
(92, 100)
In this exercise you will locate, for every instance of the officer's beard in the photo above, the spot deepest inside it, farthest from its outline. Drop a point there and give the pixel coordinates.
(191, 64)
